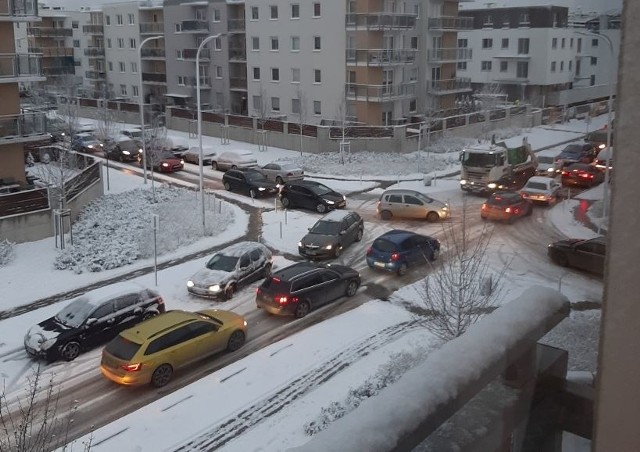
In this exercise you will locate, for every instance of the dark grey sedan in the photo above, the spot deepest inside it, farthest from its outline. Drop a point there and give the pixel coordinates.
(586, 255)
(331, 235)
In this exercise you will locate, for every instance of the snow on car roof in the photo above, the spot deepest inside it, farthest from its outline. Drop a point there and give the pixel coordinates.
(336, 215)
(238, 152)
(98, 296)
(238, 249)
(540, 179)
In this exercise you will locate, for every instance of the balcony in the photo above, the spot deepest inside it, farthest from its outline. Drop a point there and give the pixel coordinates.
(380, 57)
(236, 25)
(22, 128)
(18, 10)
(380, 21)
(237, 54)
(93, 29)
(49, 32)
(449, 86)
(152, 53)
(20, 68)
(94, 51)
(380, 93)
(95, 75)
(53, 71)
(194, 26)
(190, 54)
(153, 28)
(450, 23)
(154, 77)
(449, 55)
(52, 52)
(238, 83)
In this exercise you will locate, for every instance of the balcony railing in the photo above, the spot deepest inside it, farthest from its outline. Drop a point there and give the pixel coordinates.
(448, 86)
(380, 93)
(238, 83)
(381, 57)
(381, 21)
(236, 25)
(205, 82)
(152, 53)
(49, 32)
(52, 71)
(451, 23)
(93, 29)
(94, 51)
(154, 77)
(190, 54)
(24, 127)
(152, 28)
(53, 51)
(194, 26)
(22, 66)
(237, 53)
(449, 55)
(17, 9)
(95, 75)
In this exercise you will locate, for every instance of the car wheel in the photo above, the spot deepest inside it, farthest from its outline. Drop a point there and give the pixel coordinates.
(228, 292)
(432, 217)
(530, 211)
(386, 215)
(302, 309)
(234, 167)
(511, 219)
(435, 254)
(162, 375)
(227, 186)
(266, 271)
(403, 269)
(214, 166)
(253, 193)
(321, 208)
(561, 259)
(279, 180)
(120, 158)
(352, 288)
(359, 235)
(285, 202)
(337, 251)
(483, 217)
(236, 340)
(70, 351)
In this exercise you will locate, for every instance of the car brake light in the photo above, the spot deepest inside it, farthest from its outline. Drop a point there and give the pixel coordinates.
(484, 206)
(586, 175)
(258, 290)
(369, 251)
(282, 299)
(132, 367)
(274, 279)
(508, 210)
(565, 173)
(395, 256)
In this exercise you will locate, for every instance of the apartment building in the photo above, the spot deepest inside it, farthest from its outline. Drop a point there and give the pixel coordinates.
(154, 67)
(93, 71)
(16, 127)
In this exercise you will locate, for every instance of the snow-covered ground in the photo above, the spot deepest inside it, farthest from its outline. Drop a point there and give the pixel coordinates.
(364, 341)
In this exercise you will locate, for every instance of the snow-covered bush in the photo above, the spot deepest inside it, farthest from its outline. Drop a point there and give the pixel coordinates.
(117, 229)
(7, 252)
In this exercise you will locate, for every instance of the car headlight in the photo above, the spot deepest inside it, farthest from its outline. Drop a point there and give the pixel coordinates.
(602, 146)
(190, 283)
(182, 162)
(300, 244)
(90, 146)
(463, 182)
(550, 170)
(214, 288)
(328, 247)
(261, 189)
(126, 152)
(101, 145)
(165, 165)
(47, 344)
(329, 202)
(445, 207)
(492, 185)
(344, 198)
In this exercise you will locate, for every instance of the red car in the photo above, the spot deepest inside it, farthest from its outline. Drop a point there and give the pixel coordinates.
(505, 206)
(164, 162)
(582, 175)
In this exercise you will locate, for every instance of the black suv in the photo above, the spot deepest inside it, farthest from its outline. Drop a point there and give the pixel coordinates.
(90, 320)
(249, 181)
(311, 195)
(331, 234)
(298, 289)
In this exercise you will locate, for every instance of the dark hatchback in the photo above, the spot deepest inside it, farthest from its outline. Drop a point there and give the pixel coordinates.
(586, 255)
(576, 153)
(250, 181)
(582, 175)
(331, 235)
(397, 250)
(91, 320)
(303, 287)
(124, 151)
(311, 195)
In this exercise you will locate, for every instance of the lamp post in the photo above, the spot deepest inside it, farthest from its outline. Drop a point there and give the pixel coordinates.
(141, 104)
(199, 108)
(605, 189)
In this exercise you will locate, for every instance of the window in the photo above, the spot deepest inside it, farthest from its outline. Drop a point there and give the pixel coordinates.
(295, 106)
(201, 14)
(74, 24)
(256, 73)
(178, 27)
(218, 71)
(179, 54)
(103, 311)
(413, 106)
(571, 43)
(488, 21)
(487, 43)
(217, 44)
(275, 74)
(119, 20)
(317, 76)
(134, 90)
(275, 103)
(132, 43)
(522, 69)
(414, 42)
(295, 11)
(316, 13)
(594, 42)
(317, 43)
(570, 65)
(554, 43)
(461, 66)
(317, 107)
(76, 43)
(579, 45)
(295, 75)
(504, 66)
(255, 43)
(134, 67)
(108, 43)
(387, 118)
(505, 43)
(486, 66)
(121, 43)
(275, 44)
(553, 66)
(123, 90)
(561, 66)
(594, 61)
(182, 80)
(563, 42)
(413, 75)
(295, 43)
(257, 102)
(274, 11)
(593, 80)
(122, 66)
(216, 15)
(110, 66)
(254, 13)
(108, 20)
(523, 46)
(132, 19)
(524, 19)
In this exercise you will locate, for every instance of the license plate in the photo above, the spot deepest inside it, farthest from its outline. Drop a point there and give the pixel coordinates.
(379, 264)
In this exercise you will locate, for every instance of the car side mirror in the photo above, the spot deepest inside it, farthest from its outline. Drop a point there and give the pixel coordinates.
(91, 321)
(308, 229)
(343, 232)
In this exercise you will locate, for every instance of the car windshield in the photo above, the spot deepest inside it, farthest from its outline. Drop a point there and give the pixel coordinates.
(501, 200)
(167, 155)
(222, 262)
(536, 186)
(134, 133)
(384, 245)
(572, 150)
(76, 312)
(326, 228)
(320, 189)
(478, 159)
(254, 176)
(122, 348)
(546, 159)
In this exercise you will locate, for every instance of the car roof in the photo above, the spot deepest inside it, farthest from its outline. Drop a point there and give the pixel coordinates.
(238, 249)
(239, 152)
(336, 215)
(507, 195)
(541, 179)
(159, 324)
(98, 296)
(305, 182)
(548, 153)
(297, 270)
(397, 235)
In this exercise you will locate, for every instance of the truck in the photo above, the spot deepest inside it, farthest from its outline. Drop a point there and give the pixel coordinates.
(491, 167)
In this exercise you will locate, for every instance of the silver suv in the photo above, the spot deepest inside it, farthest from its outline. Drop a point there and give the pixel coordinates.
(401, 203)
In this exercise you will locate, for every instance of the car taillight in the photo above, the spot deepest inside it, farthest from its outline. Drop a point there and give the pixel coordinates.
(132, 367)
(508, 210)
(484, 206)
(395, 256)
(283, 299)
(258, 290)
(586, 175)
(565, 173)
(369, 251)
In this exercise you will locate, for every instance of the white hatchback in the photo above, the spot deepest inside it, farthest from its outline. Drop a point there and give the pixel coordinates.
(541, 189)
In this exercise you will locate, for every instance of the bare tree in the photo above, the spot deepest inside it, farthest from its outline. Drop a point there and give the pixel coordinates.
(343, 122)
(262, 112)
(155, 146)
(461, 288)
(302, 113)
(107, 122)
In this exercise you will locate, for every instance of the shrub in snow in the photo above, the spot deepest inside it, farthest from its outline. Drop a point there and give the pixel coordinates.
(117, 229)
(6, 252)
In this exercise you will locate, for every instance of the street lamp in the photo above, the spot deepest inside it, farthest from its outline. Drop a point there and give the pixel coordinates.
(199, 107)
(605, 189)
(141, 104)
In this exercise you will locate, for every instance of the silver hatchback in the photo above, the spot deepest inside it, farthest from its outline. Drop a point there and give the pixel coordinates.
(401, 203)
